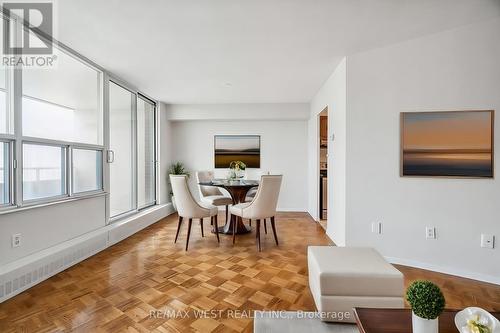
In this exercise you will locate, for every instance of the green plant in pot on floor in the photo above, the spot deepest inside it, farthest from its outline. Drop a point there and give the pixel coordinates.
(427, 303)
(176, 168)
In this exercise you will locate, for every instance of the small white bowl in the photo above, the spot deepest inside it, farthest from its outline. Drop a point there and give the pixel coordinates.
(466, 314)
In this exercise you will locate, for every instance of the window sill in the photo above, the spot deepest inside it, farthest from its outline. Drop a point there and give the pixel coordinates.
(15, 209)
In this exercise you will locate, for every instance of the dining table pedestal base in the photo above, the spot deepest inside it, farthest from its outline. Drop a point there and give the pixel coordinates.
(238, 190)
(240, 227)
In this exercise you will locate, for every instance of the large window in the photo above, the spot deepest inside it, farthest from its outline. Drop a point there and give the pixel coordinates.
(145, 152)
(61, 106)
(132, 145)
(59, 141)
(121, 144)
(44, 171)
(54, 137)
(67, 95)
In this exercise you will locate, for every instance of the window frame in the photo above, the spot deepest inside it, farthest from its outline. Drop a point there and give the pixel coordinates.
(133, 104)
(101, 180)
(10, 168)
(69, 145)
(100, 89)
(135, 96)
(64, 175)
(155, 152)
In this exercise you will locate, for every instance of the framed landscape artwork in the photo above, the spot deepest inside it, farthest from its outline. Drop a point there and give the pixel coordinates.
(447, 144)
(245, 148)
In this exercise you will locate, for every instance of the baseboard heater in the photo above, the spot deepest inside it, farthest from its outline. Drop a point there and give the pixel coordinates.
(24, 273)
(26, 276)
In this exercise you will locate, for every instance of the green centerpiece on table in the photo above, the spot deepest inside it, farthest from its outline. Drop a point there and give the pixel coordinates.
(236, 170)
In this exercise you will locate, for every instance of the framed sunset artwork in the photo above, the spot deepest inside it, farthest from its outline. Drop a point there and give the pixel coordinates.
(447, 144)
(245, 148)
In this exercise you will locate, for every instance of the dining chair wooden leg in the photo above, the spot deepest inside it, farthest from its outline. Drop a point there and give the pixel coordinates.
(274, 230)
(227, 212)
(250, 222)
(265, 226)
(211, 220)
(216, 228)
(201, 225)
(189, 232)
(178, 229)
(258, 234)
(233, 220)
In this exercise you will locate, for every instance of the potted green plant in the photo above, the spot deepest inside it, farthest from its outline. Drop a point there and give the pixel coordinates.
(427, 303)
(176, 168)
(236, 170)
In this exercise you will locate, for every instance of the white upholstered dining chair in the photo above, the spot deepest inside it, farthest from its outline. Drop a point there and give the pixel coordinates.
(253, 191)
(189, 208)
(211, 195)
(254, 175)
(262, 206)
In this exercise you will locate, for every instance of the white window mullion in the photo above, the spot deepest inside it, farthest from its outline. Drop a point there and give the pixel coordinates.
(146, 133)
(135, 196)
(69, 170)
(157, 153)
(16, 109)
(106, 138)
(6, 174)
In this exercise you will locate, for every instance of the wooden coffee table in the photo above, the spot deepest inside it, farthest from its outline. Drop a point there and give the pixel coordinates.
(399, 320)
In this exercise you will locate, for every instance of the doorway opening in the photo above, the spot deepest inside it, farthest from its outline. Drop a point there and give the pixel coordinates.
(323, 167)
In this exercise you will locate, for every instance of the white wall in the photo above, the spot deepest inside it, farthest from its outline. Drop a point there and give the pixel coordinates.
(283, 150)
(454, 70)
(225, 112)
(332, 95)
(41, 228)
(166, 144)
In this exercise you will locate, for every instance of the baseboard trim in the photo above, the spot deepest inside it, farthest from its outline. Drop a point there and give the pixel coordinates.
(298, 210)
(27, 272)
(315, 218)
(125, 228)
(445, 270)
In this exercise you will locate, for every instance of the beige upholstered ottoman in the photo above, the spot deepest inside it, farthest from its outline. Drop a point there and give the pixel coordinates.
(342, 278)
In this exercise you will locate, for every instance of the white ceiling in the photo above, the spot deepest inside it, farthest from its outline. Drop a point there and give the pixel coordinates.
(254, 51)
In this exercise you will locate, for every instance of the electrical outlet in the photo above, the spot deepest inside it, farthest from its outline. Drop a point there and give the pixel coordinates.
(377, 227)
(430, 233)
(16, 240)
(487, 241)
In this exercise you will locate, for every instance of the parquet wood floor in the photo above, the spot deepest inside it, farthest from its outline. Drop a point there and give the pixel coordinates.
(117, 289)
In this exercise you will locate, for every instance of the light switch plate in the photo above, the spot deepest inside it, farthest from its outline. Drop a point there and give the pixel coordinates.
(377, 227)
(487, 241)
